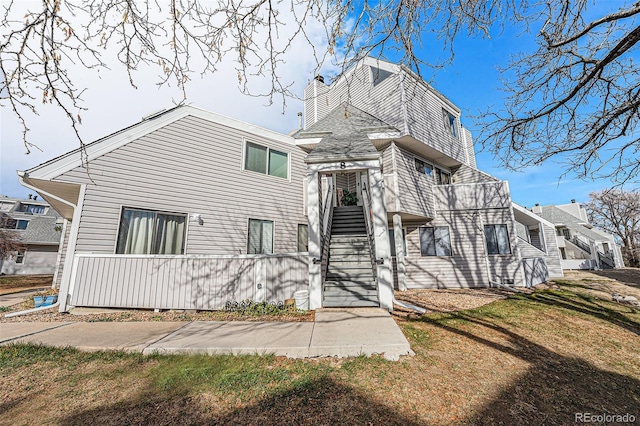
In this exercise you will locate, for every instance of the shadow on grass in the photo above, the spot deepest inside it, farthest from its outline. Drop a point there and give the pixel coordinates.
(555, 387)
(319, 402)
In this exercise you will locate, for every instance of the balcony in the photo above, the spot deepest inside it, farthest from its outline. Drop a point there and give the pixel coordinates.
(472, 196)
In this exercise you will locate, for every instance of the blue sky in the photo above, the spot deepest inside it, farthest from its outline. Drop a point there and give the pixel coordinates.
(472, 82)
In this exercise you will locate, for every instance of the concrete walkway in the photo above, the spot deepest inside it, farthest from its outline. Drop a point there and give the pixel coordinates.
(11, 299)
(334, 333)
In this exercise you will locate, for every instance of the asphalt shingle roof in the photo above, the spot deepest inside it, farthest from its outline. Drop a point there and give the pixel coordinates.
(344, 135)
(558, 216)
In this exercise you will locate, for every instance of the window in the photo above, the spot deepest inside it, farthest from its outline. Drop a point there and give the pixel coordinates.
(260, 239)
(265, 160)
(442, 177)
(450, 123)
(392, 242)
(497, 239)
(32, 208)
(151, 232)
(10, 223)
(20, 256)
(423, 167)
(435, 241)
(303, 238)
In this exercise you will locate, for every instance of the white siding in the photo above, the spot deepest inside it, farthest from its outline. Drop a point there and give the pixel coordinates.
(191, 166)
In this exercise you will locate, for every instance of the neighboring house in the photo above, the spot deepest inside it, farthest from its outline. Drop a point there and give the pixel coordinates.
(39, 227)
(379, 190)
(581, 245)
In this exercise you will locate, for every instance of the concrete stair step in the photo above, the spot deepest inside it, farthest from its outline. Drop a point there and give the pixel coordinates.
(350, 216)
(360, 239)
(331, 290)
(352, 276)
(349, 231)
(349, 268)
(368, 284)
(350, 258)
(346, 208)
(347, 302)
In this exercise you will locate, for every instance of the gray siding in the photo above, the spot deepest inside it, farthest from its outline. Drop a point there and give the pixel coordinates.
(529, 251)
(415, 190)
(469, 265)
(425, 120)
(191, 166)
(472, 196)
(186, 282)
(38, 259)
(468, 144)
(466, 174)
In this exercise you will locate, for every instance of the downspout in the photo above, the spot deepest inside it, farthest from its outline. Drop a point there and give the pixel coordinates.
(32, 310)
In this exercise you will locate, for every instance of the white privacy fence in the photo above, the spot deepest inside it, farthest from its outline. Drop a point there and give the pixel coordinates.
(186, 281)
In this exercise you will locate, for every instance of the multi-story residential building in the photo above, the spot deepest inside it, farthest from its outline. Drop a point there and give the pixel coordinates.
(378, 191)
(39, 227)
(581, 245)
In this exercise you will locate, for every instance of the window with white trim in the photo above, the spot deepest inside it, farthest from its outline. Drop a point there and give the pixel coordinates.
(151, 232)
(497, 237)
(20, 255)
(260, 239)
(423, 167)
(450, 123)
(435, 241)
(441, 176)
(262, 159)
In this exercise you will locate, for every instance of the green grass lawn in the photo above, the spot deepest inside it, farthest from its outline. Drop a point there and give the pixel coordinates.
(530, 359)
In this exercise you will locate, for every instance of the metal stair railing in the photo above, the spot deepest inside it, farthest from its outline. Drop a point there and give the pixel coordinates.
(581, 245)
(604, 259)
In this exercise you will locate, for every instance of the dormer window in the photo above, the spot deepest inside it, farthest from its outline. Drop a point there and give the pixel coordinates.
(450, 124)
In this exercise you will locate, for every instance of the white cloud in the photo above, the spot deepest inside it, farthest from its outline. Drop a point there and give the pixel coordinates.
(114, 104)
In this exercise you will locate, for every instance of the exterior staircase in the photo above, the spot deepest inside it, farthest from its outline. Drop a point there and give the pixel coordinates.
(350, 281)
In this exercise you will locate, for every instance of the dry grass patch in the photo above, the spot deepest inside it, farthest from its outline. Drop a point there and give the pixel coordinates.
(526, 359)
(16, 283)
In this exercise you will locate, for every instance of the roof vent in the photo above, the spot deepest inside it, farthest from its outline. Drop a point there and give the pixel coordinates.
(320, 78)
(537, 204)
(573, 201)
